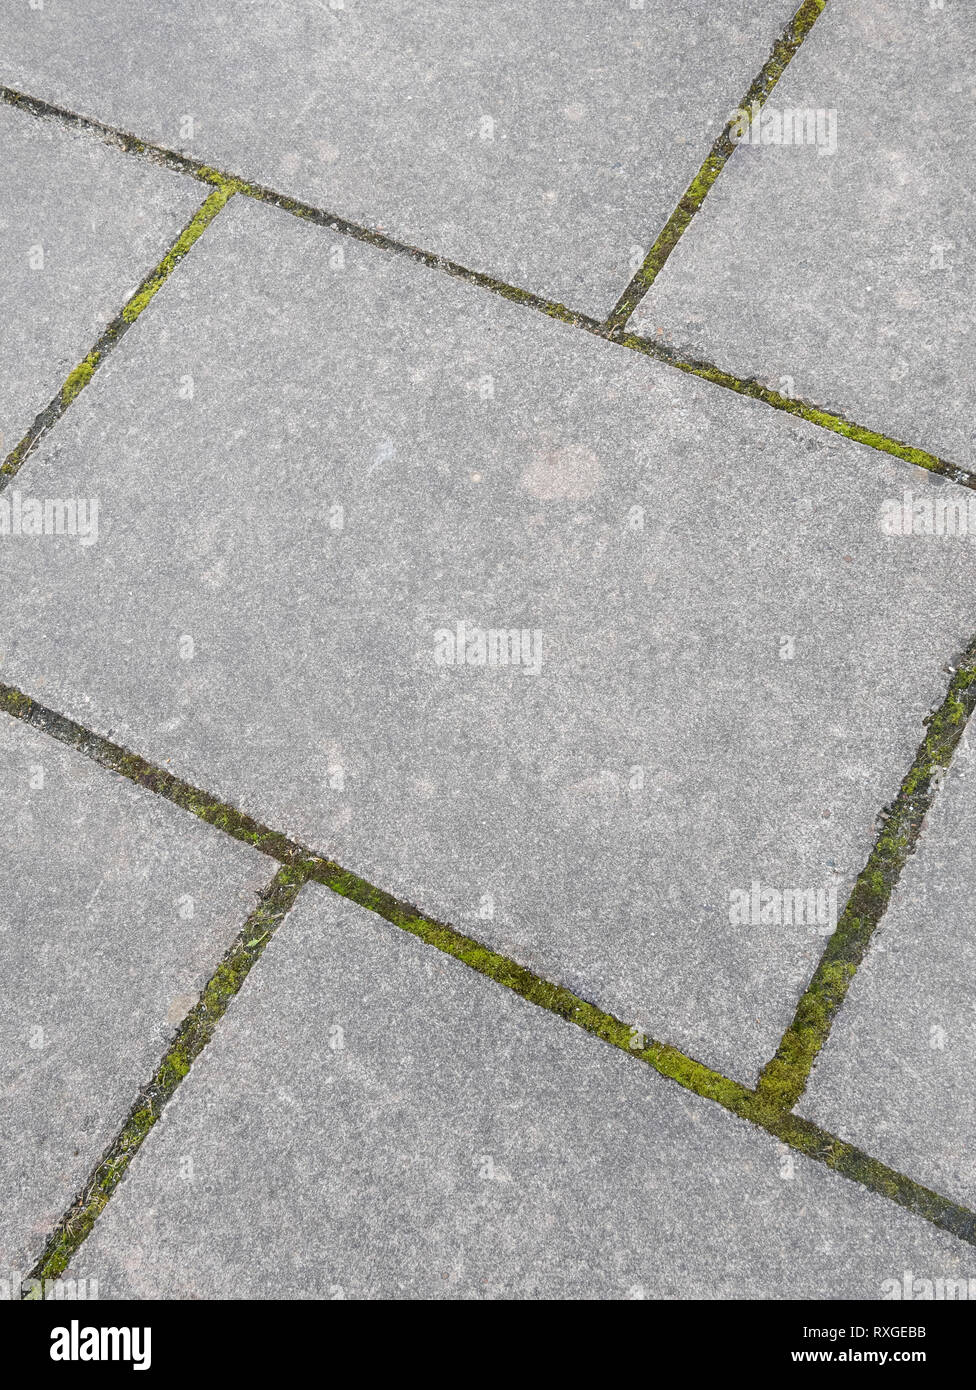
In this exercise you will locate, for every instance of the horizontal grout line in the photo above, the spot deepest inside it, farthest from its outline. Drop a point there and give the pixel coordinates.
(758, 1109)
(782, 54)
(191, 1037)
(207, 173)
(784, 1078)
(706, 371)
(82, 374)
(803, 410)
(155, 779)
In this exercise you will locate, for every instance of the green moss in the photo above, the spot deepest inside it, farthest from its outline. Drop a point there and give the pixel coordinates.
(755, 390)
(79, 379)
(189, 235)
(191, 1038)
(781, 55)
(81, 375)
(767, 1107)
(852, 1163)
(207, 174)
(784, 1078)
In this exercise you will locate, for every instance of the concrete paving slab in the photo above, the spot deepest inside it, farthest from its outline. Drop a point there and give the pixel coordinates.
(545, 144)
(80, 225)
(376, 1121)
(845, 278)
(896, 1075)
(116, 908)
(315, 460)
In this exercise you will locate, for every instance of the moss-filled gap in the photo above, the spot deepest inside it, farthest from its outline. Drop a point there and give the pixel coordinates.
(803, 410)
(780, 57)
(191, 1037)
(717, 376)
(756, 1107)
(79, 377)
(784, 1078)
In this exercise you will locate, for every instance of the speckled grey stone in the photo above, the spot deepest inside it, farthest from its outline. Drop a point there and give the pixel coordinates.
(897, 1073)
(847, 278)
(80, 226)
(114, 909)
(544, 143)
(373, 1120)
(592, 818)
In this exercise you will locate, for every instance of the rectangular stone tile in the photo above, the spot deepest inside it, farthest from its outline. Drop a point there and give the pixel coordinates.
(374, 1120)
(315, 460)
(80, 225)
(845, 278)
(542, 143)
(897, 1073)
(115, 909)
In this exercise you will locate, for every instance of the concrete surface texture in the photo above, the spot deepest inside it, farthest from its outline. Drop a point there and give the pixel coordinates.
(853, 264)
(477, 1156)
(116, 911)
(897, 1072)
(515, 717)
(80, 228)
(540, 143)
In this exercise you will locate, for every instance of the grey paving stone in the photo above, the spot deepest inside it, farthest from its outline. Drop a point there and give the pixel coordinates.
(543, 143)
(896, 1075)
(116, 908)
(593, 816)
(80, 225)
(847, 277)
(374, 1120)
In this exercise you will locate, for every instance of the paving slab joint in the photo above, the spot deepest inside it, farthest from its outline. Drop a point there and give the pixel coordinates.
(228, 184)
(761, 1109)
(780, 57)
(784, 1078)
(80, 376)
(793, 405)
(191, 1037)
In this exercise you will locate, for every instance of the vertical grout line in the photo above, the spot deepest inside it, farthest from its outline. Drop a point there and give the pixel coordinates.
(783, 1079)
(192, 1036)
(782, 54)
(81, 375)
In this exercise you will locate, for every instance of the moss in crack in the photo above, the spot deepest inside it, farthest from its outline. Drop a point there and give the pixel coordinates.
(780, 56)
(77, 380)
(157, 780)
(784, 1078)
(852, 1163)
(190, 234)
(228, 184)
(814, 415)
(764, 1108)
(82, 374)
(554, 998)
(192, 1036)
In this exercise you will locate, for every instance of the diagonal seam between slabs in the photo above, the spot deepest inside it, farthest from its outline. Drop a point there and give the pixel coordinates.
(110, 337)
(784, 1078)
(705, 371)
(194, 1033)
(783, 51)
(754, 1106)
